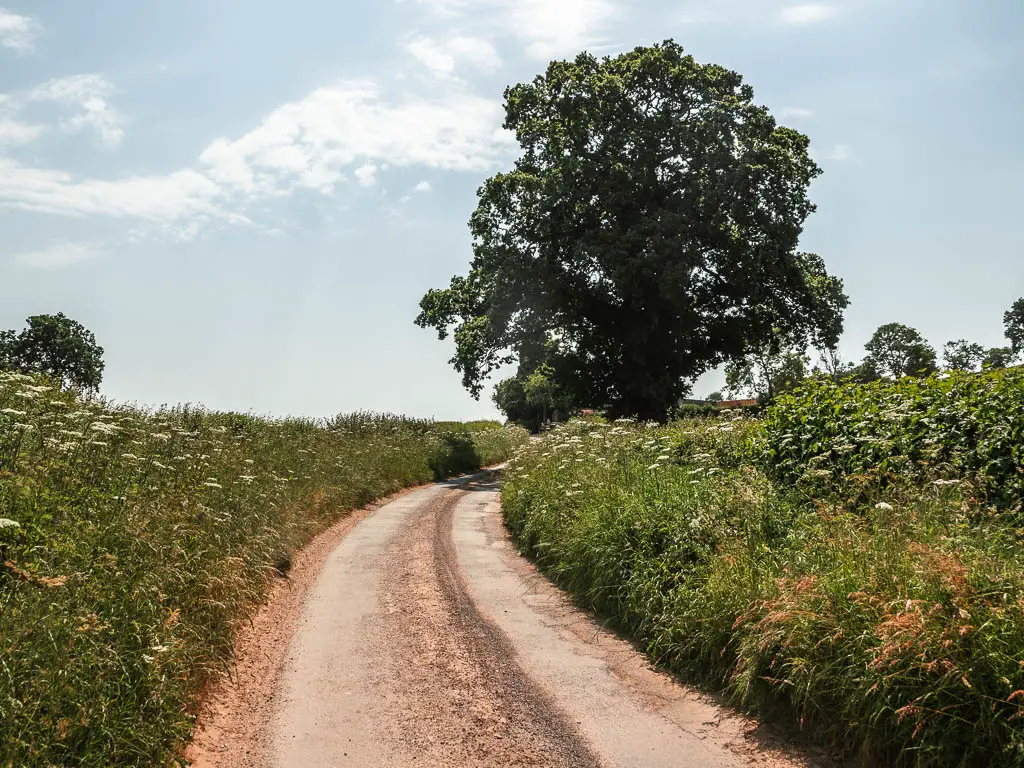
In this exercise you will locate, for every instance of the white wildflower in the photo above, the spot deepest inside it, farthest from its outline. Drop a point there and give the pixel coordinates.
(8, 523)
(884, 507)
(12, 412)
(213, 485)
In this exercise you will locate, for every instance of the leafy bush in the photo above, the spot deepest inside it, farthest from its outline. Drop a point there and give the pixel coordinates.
(949, 427)
(144, 538)
(693, 411)
(894, 631)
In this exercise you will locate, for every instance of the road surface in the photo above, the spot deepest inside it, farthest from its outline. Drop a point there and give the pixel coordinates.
(425, 640)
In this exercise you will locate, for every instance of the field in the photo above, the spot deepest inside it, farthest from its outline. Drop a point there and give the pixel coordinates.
(133, 543)
(862, 578)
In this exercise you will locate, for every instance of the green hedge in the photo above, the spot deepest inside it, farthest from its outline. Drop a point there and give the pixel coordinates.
(890, 629)
(957, 426)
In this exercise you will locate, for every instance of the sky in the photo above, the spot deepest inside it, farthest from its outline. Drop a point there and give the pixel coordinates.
(244, 200)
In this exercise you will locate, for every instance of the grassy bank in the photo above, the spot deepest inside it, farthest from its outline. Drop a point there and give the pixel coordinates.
(144, 538)
(888, 621)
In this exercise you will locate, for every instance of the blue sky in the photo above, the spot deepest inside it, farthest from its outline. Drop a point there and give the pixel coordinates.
(245, 200)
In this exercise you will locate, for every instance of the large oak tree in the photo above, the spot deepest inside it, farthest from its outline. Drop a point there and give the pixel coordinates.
(647, 233)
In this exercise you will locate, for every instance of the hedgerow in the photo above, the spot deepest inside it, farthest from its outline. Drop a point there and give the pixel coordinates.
(133, 542)
(889, 624)
(957, 426)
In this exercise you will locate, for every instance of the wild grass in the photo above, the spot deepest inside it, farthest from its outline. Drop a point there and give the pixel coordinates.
(889, 625)
(143, 538)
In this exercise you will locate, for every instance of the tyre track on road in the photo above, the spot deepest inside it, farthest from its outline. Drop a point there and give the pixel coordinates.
(426, 641)
(450, 675)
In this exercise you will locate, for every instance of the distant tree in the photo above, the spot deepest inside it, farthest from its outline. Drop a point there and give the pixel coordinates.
(532, 399)
(7, 361)
(767, 372)
(864, 372)
(715, 397)
(1013, 322)
(510, 399)
(832, 364)
(648, 233)
(998, 357)
(540, 391)
(963, 355)
(896, 350)
(57, 346)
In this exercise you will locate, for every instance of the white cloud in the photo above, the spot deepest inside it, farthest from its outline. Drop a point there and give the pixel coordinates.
(809, 13)
(423, 187)
(13, 133)
(154, 198)
(549, 28)
(310, 142)
(444, 7)
(561, 28)
(366, 175)
(797, 112)
(17, 33)
(58, 255)
(89, 93)
(443, 58)
(349, 130)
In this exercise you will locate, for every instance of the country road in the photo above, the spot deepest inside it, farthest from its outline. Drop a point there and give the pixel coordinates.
(425, 640)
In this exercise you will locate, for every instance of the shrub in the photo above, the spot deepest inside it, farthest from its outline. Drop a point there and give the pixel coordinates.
(948, 427)
(894, 631)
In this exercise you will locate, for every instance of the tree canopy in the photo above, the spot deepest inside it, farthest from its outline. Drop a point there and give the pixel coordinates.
(1013, 322)
(647, 233)
(963, 355)
(57, 346)
(532, 399)
(767, 372)
(998, 357)
(896, 350)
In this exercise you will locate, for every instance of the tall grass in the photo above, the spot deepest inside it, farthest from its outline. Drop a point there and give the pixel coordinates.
(143, 538)
(890, 625)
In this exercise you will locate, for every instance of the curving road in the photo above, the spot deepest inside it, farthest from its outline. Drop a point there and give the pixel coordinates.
(425, 640)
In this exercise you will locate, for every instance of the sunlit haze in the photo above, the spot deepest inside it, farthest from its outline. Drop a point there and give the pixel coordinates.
(246, 200)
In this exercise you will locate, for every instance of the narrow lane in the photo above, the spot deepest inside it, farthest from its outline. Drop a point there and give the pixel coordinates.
(427, 641)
